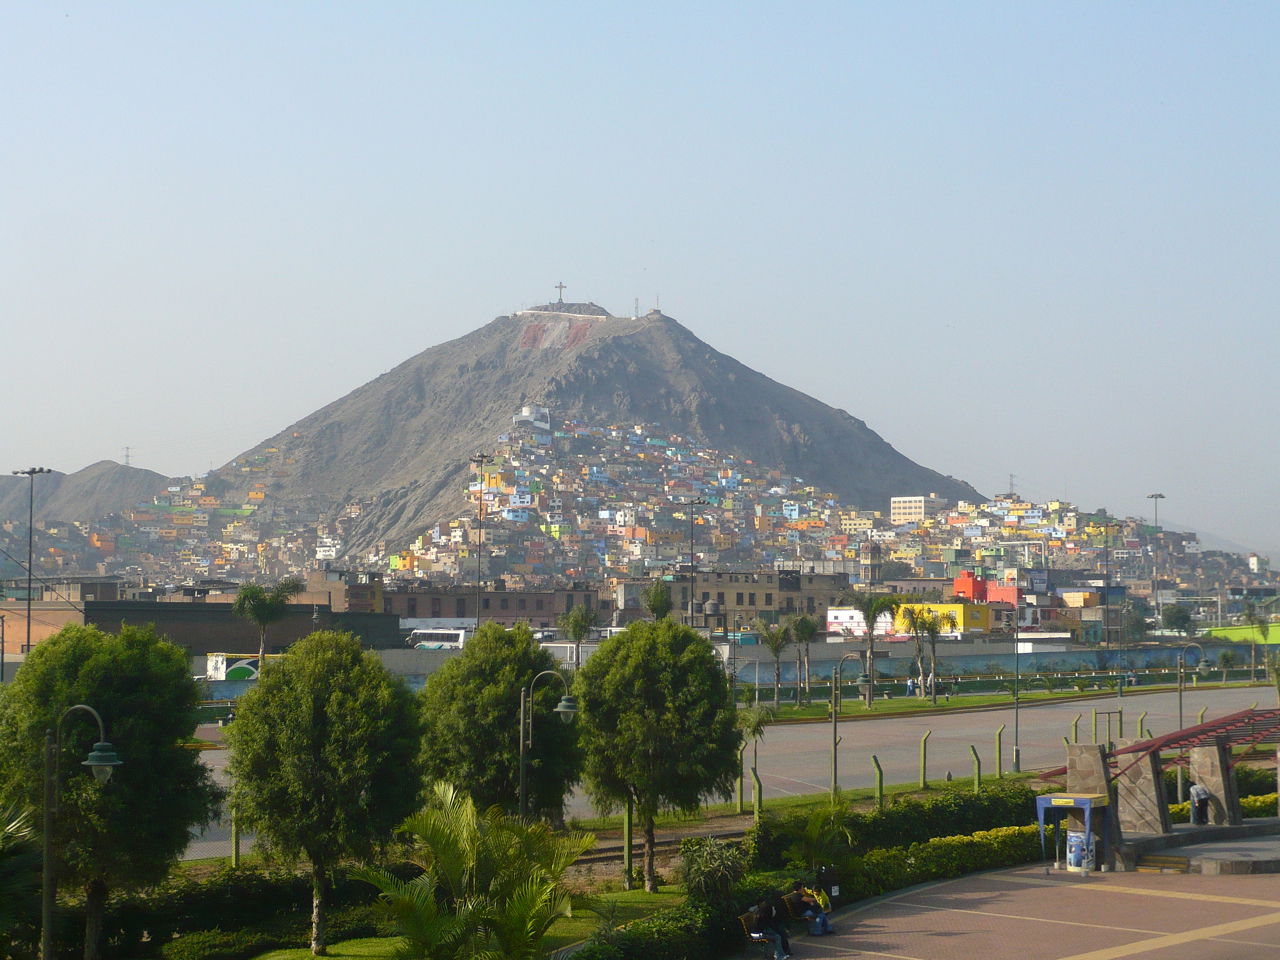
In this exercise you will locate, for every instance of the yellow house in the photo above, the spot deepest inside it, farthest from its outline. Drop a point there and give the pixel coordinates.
(969, 617)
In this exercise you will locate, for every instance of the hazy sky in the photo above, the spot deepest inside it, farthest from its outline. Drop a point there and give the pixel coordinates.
(1024, 238)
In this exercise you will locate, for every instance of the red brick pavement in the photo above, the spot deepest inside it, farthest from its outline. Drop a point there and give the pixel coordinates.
(1024, 914)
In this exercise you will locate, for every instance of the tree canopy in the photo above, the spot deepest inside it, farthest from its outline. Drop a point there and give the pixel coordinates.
(470, 712)
(129, 831)
(657, 724)
(324, 758)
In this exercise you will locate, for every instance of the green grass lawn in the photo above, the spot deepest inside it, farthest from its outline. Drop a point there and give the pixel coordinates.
(620, 907)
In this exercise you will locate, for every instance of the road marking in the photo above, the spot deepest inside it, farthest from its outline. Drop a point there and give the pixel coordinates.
(1015, 916)
(1104, 887)
(1177, 939)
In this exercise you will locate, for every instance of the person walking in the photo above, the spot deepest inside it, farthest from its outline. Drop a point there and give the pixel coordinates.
(1200, 797)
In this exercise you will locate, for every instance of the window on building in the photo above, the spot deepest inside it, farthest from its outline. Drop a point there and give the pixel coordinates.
(520, 603)
(720, 598)
(705, 596)
(460, 608)
(739, 600)
(751, 600)
(537, 603)
(504, 603)
(768, 599)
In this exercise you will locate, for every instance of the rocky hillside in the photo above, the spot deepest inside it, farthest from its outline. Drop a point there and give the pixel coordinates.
(404, 439)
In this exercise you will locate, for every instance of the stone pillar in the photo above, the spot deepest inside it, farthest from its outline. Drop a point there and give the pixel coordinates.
(1087, 773)
(1211, 768)
(1140, 800)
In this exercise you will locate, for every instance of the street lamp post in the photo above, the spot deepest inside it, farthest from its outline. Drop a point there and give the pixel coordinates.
(835, 716)
(102, 761)
(700, 502)
(1017, 676)
(1182, 683)
(30, 474)
(480, 461)
(567, 708)
(1, 648)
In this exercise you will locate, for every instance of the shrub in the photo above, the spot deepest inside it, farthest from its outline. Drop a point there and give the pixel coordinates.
(779, 841)
(712, 867)
(1254, 806)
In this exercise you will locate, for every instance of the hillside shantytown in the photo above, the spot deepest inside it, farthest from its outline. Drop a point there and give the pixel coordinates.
(555, 510)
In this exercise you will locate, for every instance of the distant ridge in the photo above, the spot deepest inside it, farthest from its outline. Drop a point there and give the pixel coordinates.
(99, 489)
(403, 440)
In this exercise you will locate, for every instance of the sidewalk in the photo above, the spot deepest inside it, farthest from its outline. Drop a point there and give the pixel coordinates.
(1024, 913)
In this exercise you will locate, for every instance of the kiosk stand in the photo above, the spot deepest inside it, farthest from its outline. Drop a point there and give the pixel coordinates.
(1082, 855)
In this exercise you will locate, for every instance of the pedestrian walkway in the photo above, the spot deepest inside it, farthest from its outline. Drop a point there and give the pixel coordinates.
(1023, 913)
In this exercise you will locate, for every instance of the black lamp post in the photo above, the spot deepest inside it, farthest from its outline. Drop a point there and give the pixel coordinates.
(102, 761)
(835, 717)
(567, 708)
(30, 474)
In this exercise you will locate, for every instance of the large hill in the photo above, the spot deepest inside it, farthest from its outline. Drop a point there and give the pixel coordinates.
(404, 439)
(99, 489)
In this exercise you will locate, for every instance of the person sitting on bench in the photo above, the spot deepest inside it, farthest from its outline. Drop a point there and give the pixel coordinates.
(772, 923)
(811, 905)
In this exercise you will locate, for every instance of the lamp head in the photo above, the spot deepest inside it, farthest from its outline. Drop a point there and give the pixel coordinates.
(567, 708)
(102, 761)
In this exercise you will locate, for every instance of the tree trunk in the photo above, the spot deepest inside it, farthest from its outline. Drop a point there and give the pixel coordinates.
(95, 907)
(799, 672)
(933, 671)
(318, 937)
(871, 670)
(920, 665)
(808, 691)
(777, 682)
(262, 649)
(650, 876)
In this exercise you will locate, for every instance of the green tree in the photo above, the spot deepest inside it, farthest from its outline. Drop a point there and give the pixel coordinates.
(1135, 625)
(324, 759)
(775, 639)
(873, 606)
(1178, 617)
(470, 712)
(19, 882)
(130, 831)
(576, 624)
(657, 724)
(490, 885)
(802, 628)
(264, 607)
(656, 598)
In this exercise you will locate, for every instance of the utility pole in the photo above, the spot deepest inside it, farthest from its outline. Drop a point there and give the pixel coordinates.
(1155, 499)
(30, 473)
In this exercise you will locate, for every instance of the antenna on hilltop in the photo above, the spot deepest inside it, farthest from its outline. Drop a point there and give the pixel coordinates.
(126, 455)
(1012, 492)
(636, 314)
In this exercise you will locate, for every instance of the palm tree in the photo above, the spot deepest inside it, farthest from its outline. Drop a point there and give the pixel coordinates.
(915, 619)
(491, 885)
(576, 624)
(751, 724)
(656, 598)
(19, 875)
(934, 625)
(802, 628)
(775, 639)
(873, 606)
(262, 606)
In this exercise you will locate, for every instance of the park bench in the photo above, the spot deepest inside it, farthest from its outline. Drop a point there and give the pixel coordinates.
(748, 921)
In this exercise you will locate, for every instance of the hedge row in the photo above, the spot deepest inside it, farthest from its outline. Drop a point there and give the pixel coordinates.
(695, 932)
(795, 840)
(1251, 781)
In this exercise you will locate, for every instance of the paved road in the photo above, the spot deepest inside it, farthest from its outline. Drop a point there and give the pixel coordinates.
(796, 758)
